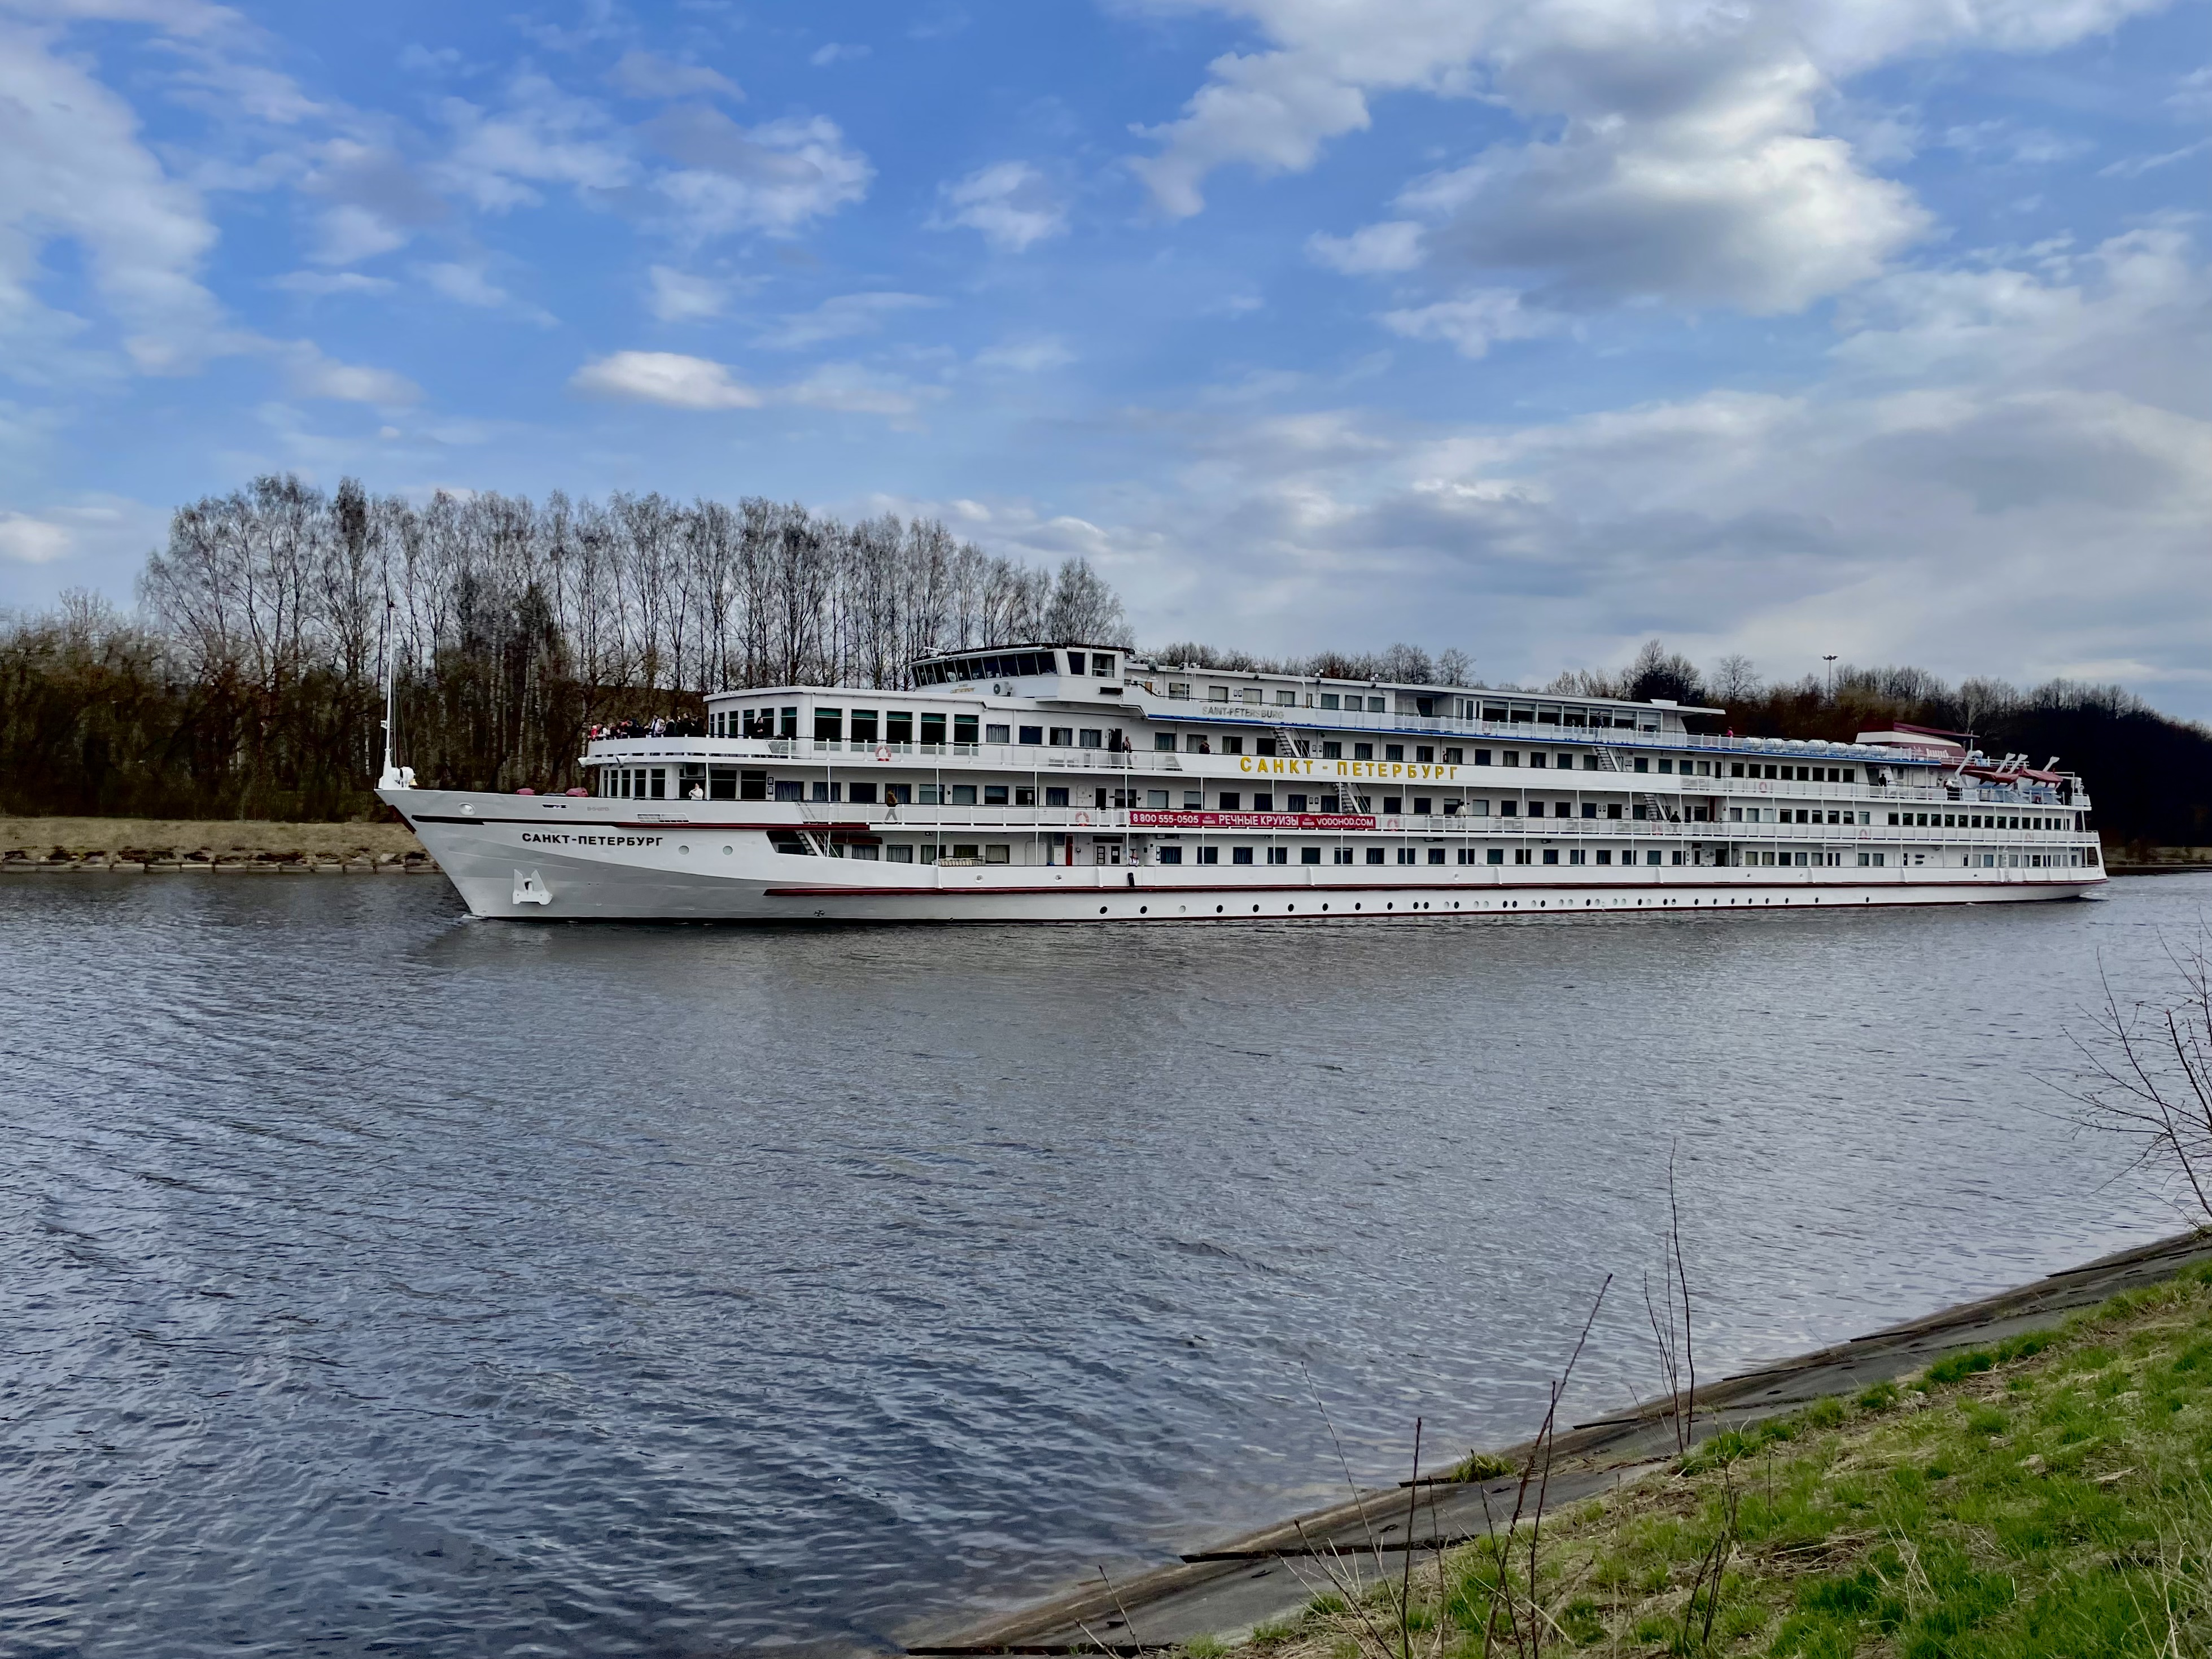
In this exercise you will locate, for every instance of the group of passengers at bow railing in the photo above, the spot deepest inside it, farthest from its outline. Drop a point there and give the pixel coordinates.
(682, 726)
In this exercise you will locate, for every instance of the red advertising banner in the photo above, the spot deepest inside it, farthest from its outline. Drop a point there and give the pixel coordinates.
(1249, 820)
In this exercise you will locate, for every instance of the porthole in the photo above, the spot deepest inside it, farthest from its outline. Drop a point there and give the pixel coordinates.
(1256, 909)
(682, 849)
(1102, 909)
(1144, 909)
(1217, 909)
(727, 851)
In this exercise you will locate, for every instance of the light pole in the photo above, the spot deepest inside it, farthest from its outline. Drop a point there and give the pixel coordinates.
(1830, 659)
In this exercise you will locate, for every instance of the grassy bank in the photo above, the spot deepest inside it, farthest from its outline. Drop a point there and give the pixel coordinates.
(219, 841)
(2048, 1496)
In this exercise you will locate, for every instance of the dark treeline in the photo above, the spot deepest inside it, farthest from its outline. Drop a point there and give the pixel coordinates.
(2150, 776)
(249, 683)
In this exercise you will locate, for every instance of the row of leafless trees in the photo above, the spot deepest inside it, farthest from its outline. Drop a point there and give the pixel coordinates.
(251, 684)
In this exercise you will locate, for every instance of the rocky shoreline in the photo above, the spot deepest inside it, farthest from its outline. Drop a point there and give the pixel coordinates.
(139, 845)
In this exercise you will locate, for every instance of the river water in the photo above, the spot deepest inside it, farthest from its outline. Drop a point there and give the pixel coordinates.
(375, 1280)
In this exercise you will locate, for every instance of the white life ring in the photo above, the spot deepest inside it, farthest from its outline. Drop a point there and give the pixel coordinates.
(883, 751)
(1395, 823)
(1083, 819)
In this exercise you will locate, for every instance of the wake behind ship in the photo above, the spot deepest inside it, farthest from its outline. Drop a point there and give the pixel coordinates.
(1057, 782)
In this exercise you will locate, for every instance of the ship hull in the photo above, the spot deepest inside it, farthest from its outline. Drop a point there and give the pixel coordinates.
(555, 862)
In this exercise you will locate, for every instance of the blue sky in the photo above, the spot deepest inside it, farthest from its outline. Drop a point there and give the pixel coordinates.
(1881, 327)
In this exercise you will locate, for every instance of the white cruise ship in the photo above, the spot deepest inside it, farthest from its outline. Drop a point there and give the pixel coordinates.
(1076, 783)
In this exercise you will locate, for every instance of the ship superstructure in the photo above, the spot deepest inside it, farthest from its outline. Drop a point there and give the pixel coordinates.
(1075, 782)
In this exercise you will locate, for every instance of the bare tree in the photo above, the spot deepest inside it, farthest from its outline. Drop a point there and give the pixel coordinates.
(2147, 1076)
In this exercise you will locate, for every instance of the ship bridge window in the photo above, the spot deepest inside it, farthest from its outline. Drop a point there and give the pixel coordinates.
(864, 725)
(932, 728)
(1075, 662)
(1102, 666)
(1493, 711)
(1548, 717)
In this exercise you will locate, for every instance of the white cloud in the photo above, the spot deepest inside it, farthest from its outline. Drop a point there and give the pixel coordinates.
(464, 284)
(1472, 322)
(849, 389)
(648, 75)
(1681, 155)
(835, 52)
(666, 378)
(680, 297)
(332, 281)
(543, 137)
(1026, 356)
(1010, 202)
(75, 168)
(314, 375)
(775, 177)
(841, 318)
(379, 202)
(27, 540)
(1394, 245)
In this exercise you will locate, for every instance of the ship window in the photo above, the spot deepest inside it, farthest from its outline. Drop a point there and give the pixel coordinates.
(1341, 855)
(1455, 757)
(1523, 855)
(1375, 855)
(898, 727)
(899, 854)
(1665, 764)
(1240, 855)
(1606, 857)
(998, 734)
(1091, 737)
(1286, 699)
(1156, 799)
(788, 721)
(1163, 740)
(1578, 856)
(825, 792)
(1179, 688)
(1192, 801)
(1075, 662)
(721, 783)
(898, 794)
(1507, 809)
(1423, 805)
(863, 794)
(753, 785)
(1491, 711)
(963, 794)
(1232, 745)
(864, 725)
(659, 783)
(1264, 801)
(1217, 694)
(1328, 700)
(1612, 810)
(1169, 855)
(1551, 855)
(788, 791)
(963, 728)
(1363, 751)
(1482, 758)
(1279, 855)
(1536, 757)
(1209, 856)
(932, 728)
(1589, 809)
(1407, 855)
(1230, 799)
(1651, 858)
(1332, 750)
(1535, 809)
(1393, 804)
(1062, 736)
(1032, 735)
(1393, 752)
(1479, 808)
(1101, 665)
(995, 794)
(1294, 803)
(1436, 855)
(1547, 717)
(998, 852)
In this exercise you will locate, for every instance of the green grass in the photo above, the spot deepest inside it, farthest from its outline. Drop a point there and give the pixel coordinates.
(2051, 1494)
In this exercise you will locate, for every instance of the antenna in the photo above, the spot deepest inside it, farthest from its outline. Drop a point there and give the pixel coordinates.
(391, 777)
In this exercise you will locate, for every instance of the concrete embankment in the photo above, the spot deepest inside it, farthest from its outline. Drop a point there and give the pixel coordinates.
(1226, 1589)
(31, 845)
